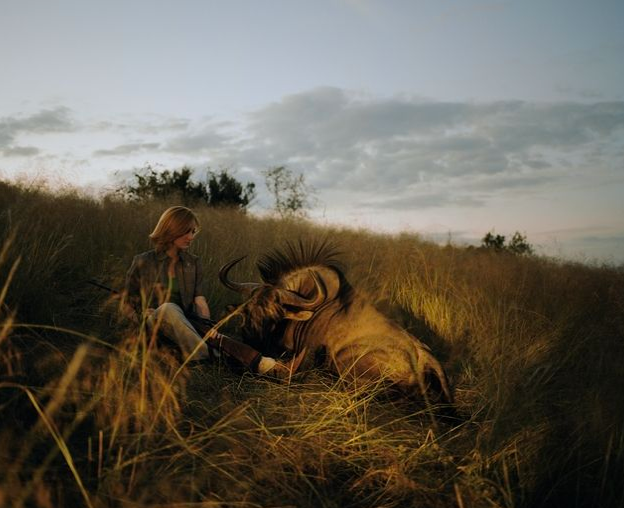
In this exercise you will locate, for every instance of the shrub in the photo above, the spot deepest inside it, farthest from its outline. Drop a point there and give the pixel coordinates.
(518, 244)
(221, 189)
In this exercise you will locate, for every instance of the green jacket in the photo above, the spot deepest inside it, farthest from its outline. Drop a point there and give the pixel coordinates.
(147, 280)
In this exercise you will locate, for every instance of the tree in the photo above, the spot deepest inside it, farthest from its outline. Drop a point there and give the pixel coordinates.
(518, 245)
(225, 190)
(220, 189)
(495, 242)
(290, 192)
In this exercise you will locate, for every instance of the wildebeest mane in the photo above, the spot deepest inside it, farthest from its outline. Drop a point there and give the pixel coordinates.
(297, 255)
(302, 254)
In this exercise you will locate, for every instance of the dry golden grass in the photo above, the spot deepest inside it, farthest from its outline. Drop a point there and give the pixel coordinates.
(95, 413)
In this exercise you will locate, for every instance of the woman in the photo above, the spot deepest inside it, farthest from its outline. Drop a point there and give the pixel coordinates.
(164, 285)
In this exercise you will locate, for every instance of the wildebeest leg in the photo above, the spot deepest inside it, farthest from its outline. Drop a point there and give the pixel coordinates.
(432, 378)
(414, 372)
(435, 389)
(360, 363)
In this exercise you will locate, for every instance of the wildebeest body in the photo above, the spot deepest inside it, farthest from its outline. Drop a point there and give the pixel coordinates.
(306, 305)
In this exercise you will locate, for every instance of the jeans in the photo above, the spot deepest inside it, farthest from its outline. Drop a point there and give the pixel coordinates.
(187, 333)
(174, 324)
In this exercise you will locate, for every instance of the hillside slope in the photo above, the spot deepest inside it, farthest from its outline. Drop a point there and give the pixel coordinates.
(94, 411)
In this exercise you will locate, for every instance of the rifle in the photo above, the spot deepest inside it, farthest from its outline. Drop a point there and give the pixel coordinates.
(127, 309)
(102, 286)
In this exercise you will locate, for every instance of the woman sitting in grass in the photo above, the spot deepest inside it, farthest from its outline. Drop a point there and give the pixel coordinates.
(164, 285)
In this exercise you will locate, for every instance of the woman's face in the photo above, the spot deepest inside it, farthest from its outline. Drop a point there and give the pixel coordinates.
(184, 242)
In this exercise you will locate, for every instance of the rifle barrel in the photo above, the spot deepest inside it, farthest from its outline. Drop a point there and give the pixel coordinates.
(102, 286)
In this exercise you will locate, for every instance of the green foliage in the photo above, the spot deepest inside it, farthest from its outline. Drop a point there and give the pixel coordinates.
(225, 190)
(221, 189)
(518, 244)
(290, 192)
(495, 242)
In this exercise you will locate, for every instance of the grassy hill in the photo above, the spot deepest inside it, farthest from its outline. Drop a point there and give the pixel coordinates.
(94, 413)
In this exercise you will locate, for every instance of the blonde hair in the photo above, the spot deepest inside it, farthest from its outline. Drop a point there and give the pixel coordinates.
(173, 223)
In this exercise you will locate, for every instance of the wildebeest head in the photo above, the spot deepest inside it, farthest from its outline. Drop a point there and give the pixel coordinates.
(268, 308)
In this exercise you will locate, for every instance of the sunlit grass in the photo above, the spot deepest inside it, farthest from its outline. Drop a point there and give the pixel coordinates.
(95, 412)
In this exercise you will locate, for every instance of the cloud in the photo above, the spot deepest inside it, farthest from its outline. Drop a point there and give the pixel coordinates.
(188, 138)
(612, 239)
(200, 141)
(583, 93)
(343, 139)
(331, 120)
(601, 245)
(393, 153)
(421, 200)
(127, 149)
(558, 126)
(20, 151)
(45, 121)
(150, 125)
(413, 152)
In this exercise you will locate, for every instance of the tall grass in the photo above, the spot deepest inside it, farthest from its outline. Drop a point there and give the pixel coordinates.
(95, 412)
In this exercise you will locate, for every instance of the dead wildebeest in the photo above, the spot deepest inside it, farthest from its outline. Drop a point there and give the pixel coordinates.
(305, 306)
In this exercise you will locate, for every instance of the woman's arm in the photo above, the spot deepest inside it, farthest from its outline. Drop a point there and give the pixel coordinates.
(201, 307)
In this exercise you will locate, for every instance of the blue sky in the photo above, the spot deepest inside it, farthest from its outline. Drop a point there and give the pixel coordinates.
(438, 117)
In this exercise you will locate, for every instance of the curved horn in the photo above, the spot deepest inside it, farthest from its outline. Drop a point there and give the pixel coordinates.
(289, 297)
(245, 288)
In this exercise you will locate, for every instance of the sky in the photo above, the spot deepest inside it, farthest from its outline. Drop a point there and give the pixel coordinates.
(444, 118)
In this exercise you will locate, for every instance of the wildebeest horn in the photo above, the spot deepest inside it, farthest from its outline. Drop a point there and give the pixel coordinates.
(245, 288)
(288, 297)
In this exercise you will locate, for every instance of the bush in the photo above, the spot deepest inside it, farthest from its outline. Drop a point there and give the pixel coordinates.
(518, 244)
(221, 189)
